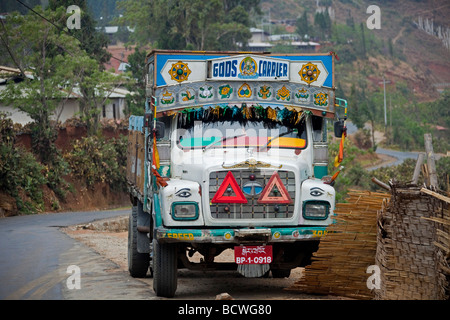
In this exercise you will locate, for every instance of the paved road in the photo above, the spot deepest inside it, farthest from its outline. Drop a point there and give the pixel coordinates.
(399, 155)
(35, 255)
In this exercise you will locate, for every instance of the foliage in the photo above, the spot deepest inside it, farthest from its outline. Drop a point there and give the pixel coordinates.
(352, 173)
(189, 24)
(37, 45)
(59, 63)
(443, 173)
(95, 84)
(136, 101)
(410, 119)
(350, 41)
(404, 172)
(91, 41)
(20, 173)
(356, 177)
(94, 159)
(302, 25)
(322, 23)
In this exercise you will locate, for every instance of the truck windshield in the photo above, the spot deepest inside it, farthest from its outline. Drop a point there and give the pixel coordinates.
(236, 134)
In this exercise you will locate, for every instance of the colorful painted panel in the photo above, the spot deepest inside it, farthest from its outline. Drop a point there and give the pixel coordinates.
(212, 93)
(245, 67)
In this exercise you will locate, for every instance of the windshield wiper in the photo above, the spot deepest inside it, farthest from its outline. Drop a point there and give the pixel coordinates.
(276, 137)
(223, 139)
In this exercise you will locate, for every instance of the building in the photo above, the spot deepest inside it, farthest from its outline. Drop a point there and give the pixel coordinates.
(114, 109)
(263, 41)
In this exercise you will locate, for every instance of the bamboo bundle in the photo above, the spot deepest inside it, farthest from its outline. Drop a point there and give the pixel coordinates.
(442, 243)
(405, 251)
(339, 266)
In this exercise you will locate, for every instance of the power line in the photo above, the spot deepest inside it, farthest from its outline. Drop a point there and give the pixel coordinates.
(58, 27)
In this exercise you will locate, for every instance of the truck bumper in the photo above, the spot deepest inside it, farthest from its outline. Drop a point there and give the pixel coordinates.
(230, 236)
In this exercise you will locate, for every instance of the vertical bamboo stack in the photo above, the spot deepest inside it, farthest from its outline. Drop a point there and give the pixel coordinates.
(442, 243)
(340, 264)
(405, 253)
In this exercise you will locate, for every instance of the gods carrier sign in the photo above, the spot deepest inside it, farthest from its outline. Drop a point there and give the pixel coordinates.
(248, 67)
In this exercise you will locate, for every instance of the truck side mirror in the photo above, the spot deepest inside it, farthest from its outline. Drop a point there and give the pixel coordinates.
(159, 129)
(339, 128)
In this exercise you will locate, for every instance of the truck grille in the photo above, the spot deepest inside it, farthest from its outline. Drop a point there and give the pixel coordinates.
(252, 190)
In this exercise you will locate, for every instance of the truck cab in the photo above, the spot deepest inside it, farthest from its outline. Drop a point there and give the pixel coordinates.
(232, 153)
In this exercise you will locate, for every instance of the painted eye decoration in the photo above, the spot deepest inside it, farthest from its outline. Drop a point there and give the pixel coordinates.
(316, 191)
(183, 193)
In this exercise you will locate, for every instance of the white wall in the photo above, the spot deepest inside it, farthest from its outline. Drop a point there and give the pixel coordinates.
(71, 109)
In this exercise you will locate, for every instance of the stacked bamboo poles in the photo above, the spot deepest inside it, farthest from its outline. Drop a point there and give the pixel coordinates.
(442, 243)
(339, 267)
(405, 251)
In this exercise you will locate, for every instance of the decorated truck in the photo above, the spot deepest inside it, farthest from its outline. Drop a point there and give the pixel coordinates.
(231, 153)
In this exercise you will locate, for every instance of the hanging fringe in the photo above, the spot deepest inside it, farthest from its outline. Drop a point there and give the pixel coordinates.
(271, 114)
(245, 113)
(288, 116)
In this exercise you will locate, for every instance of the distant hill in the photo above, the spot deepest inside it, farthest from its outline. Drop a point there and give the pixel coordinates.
(399, 51)
(420, 59)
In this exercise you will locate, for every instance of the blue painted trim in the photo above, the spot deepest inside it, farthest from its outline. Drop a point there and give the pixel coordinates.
(327, 61)
(162, 59)
(136, 123)
(157, 206)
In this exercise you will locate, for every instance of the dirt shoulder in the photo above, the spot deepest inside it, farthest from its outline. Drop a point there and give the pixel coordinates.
(109, 239)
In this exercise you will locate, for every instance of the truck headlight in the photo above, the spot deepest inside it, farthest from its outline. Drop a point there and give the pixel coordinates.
(185, 210)
(318, 210)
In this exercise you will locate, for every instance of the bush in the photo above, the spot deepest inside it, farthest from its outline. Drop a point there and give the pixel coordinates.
(21, 175)
(54, 174)
(94, 159)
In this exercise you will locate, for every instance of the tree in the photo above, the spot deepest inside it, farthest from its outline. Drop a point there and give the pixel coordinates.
(190, 24)
(322, 21)
(91, 41)
(46, 51)
(95, 85)
(363, 41)
(136, 101)
(302, 25)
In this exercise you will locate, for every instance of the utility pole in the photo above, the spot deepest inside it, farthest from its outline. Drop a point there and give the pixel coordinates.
(385, 115)
(385, 119)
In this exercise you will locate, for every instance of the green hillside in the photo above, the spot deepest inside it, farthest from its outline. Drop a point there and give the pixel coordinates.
(414, 63)
(402, 52)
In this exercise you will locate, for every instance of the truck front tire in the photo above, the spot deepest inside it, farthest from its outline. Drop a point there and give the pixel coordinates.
(138, 263)
(165, 257)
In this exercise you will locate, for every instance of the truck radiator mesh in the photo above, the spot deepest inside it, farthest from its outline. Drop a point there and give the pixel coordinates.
(252, 209)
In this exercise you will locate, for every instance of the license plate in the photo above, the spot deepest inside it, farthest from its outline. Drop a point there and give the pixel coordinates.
(253, 254)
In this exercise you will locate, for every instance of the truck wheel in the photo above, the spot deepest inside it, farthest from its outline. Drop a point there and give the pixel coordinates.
(281, 273)
(138, 263)
(165, 270)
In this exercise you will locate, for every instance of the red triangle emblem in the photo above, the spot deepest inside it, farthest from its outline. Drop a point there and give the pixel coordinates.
(283, 196)
(220, 196)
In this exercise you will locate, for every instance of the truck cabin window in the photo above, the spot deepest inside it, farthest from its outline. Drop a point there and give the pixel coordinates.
(260, 134)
